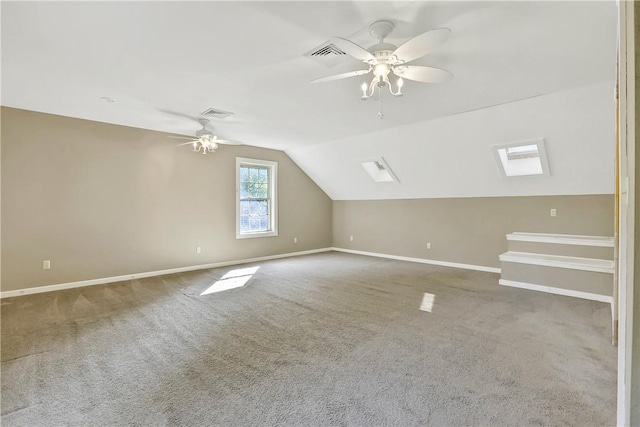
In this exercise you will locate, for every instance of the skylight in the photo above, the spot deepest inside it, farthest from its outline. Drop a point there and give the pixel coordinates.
(522, 158)
(379, 170)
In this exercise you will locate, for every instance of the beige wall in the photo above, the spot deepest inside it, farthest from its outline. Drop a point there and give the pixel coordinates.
(468, 230)
(100, 200)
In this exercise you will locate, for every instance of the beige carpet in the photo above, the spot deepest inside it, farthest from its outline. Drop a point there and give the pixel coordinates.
(328, 339)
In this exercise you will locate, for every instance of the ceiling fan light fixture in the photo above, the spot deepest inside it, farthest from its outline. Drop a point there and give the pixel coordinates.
(385, 58)
(381, 70)
(204, 146)
(380, 82)
(205, 141)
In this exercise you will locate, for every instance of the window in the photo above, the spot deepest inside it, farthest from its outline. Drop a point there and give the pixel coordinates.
(522, 158)
(256, 207)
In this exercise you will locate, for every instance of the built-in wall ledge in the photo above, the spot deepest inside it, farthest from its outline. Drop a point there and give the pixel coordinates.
(563, 239)
(559, 261)
(557, 291)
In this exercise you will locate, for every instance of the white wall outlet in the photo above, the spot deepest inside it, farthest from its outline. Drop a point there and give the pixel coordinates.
(295, 240)
(351, 238)
(428, 245)
(553, 212)
(198, 250)
(46, 264)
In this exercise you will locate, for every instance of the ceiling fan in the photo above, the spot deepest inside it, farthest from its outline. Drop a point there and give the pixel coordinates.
(384, 59)
(205, 141)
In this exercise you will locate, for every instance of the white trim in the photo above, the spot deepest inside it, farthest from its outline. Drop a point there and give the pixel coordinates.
(421, 260)
(562, 239)
(559, 261)
(626, 235)
(104, 280)
(557, 291)
(273, 196)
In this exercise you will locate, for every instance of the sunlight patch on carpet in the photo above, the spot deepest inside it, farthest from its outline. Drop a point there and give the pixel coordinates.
(427, 302)
(233, 279)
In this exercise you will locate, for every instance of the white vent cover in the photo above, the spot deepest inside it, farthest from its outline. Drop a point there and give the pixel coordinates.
(379, 170)
(524, 158)
(326, 54)
(214, 112)
(326, 49)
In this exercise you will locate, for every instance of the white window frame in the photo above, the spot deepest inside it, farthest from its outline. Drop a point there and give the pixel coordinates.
(273, 197)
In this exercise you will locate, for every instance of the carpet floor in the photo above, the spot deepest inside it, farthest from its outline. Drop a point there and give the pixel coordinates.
(326, 339)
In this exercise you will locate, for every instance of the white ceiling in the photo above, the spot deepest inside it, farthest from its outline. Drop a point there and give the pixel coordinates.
(247, 57)
(453, 157)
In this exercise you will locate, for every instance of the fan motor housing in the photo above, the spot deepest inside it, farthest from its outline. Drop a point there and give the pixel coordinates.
(382, 52)
(382, 47)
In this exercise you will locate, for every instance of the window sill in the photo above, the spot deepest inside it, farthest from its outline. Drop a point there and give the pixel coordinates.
(256, 234)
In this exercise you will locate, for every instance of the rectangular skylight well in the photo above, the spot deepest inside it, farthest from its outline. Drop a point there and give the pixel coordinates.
(522, 158)
(379, 170)
(522, 152)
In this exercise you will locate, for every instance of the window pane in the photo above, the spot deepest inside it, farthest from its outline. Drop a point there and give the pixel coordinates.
(255, 205)
(253, 174)
(260, 191)
(254, 182)
(244, 181)
(263, 208)
(244, 223)
(245, 206)
(264, 223)
(263, 174)
(244, 192)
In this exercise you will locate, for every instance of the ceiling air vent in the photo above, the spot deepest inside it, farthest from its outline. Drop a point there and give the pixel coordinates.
(327, 54)
(326, 49)
(214, 112)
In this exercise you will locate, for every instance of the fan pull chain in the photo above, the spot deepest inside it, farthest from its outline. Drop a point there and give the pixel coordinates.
(380, 114)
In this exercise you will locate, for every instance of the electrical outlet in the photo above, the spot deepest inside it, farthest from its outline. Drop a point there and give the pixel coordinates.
(554, 212)
(198, 250)
(295, 240)
(351, 238)
(428, 245)
(46, 264)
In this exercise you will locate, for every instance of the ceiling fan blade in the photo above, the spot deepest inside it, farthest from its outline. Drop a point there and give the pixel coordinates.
(179, 137)
(422, 74)
(178, 114)
(421, 45)
(187, 143)
(228, 142)
(353, 49)
(341, 76)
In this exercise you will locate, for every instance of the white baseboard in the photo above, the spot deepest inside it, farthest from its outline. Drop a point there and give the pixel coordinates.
(557, 291)
(422, 260)
(104, 280)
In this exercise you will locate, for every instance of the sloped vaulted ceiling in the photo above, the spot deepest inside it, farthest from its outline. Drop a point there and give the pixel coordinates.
(548, 68)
